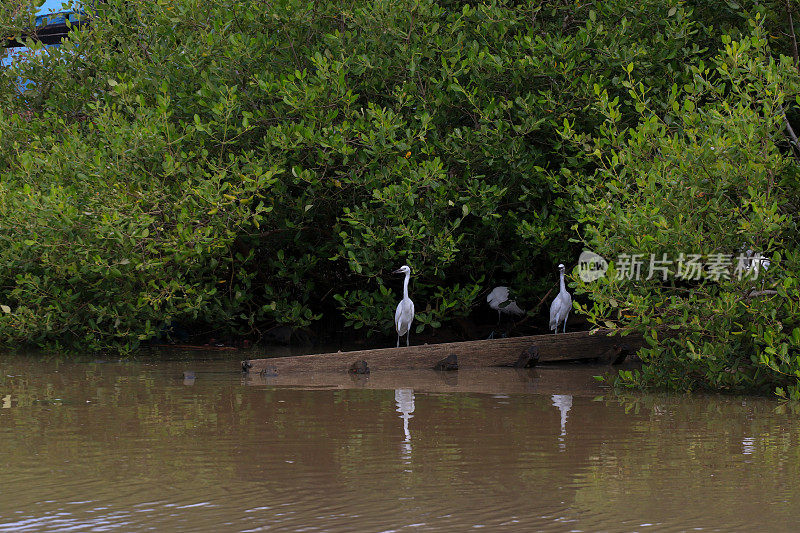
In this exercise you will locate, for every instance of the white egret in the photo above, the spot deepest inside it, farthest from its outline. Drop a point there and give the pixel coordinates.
(561, 306)
(404, 314)
(755, 262)
(498, 300)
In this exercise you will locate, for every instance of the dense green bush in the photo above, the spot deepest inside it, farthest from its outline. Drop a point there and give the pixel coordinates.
(713, 176)
(235, 165)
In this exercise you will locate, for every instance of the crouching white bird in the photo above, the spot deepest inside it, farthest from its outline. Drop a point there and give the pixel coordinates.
(498, 300)
(561, 306)
(404, 314)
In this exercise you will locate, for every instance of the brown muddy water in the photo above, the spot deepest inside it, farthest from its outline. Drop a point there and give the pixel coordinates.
(132, 446)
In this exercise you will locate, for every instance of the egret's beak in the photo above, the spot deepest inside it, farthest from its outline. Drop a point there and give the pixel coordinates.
(398, 271)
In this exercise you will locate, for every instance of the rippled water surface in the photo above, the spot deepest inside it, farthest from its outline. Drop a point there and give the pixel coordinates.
(133, 446)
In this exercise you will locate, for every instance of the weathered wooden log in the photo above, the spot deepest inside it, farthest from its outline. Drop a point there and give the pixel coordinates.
(528, 358)
(615, 355)
(575, 380)
(359, 367)
(447, 364)
(268, 371)
(471, 354)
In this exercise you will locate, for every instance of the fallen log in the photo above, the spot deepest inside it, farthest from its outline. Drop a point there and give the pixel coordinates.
(471, 354)
(577, 381)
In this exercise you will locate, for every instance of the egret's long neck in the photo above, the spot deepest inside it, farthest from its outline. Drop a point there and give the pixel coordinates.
(561, 282)
(405, 285)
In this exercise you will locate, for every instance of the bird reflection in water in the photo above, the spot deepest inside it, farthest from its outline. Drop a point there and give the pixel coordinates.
(564, 403)
(404, 398)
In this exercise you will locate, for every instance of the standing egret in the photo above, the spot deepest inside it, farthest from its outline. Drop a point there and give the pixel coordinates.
(498, 300)
(404, 314)
(561, 306)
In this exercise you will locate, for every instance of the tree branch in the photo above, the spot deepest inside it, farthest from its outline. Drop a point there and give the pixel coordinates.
(757, 294)
(794, 38)
(792, 136)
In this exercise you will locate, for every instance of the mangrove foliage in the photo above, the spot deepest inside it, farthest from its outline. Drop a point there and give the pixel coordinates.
(232, 166)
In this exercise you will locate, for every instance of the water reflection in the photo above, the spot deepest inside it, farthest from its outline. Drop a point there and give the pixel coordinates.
(128, 447)
(404, 399)
(564, 404)
(748, 445)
